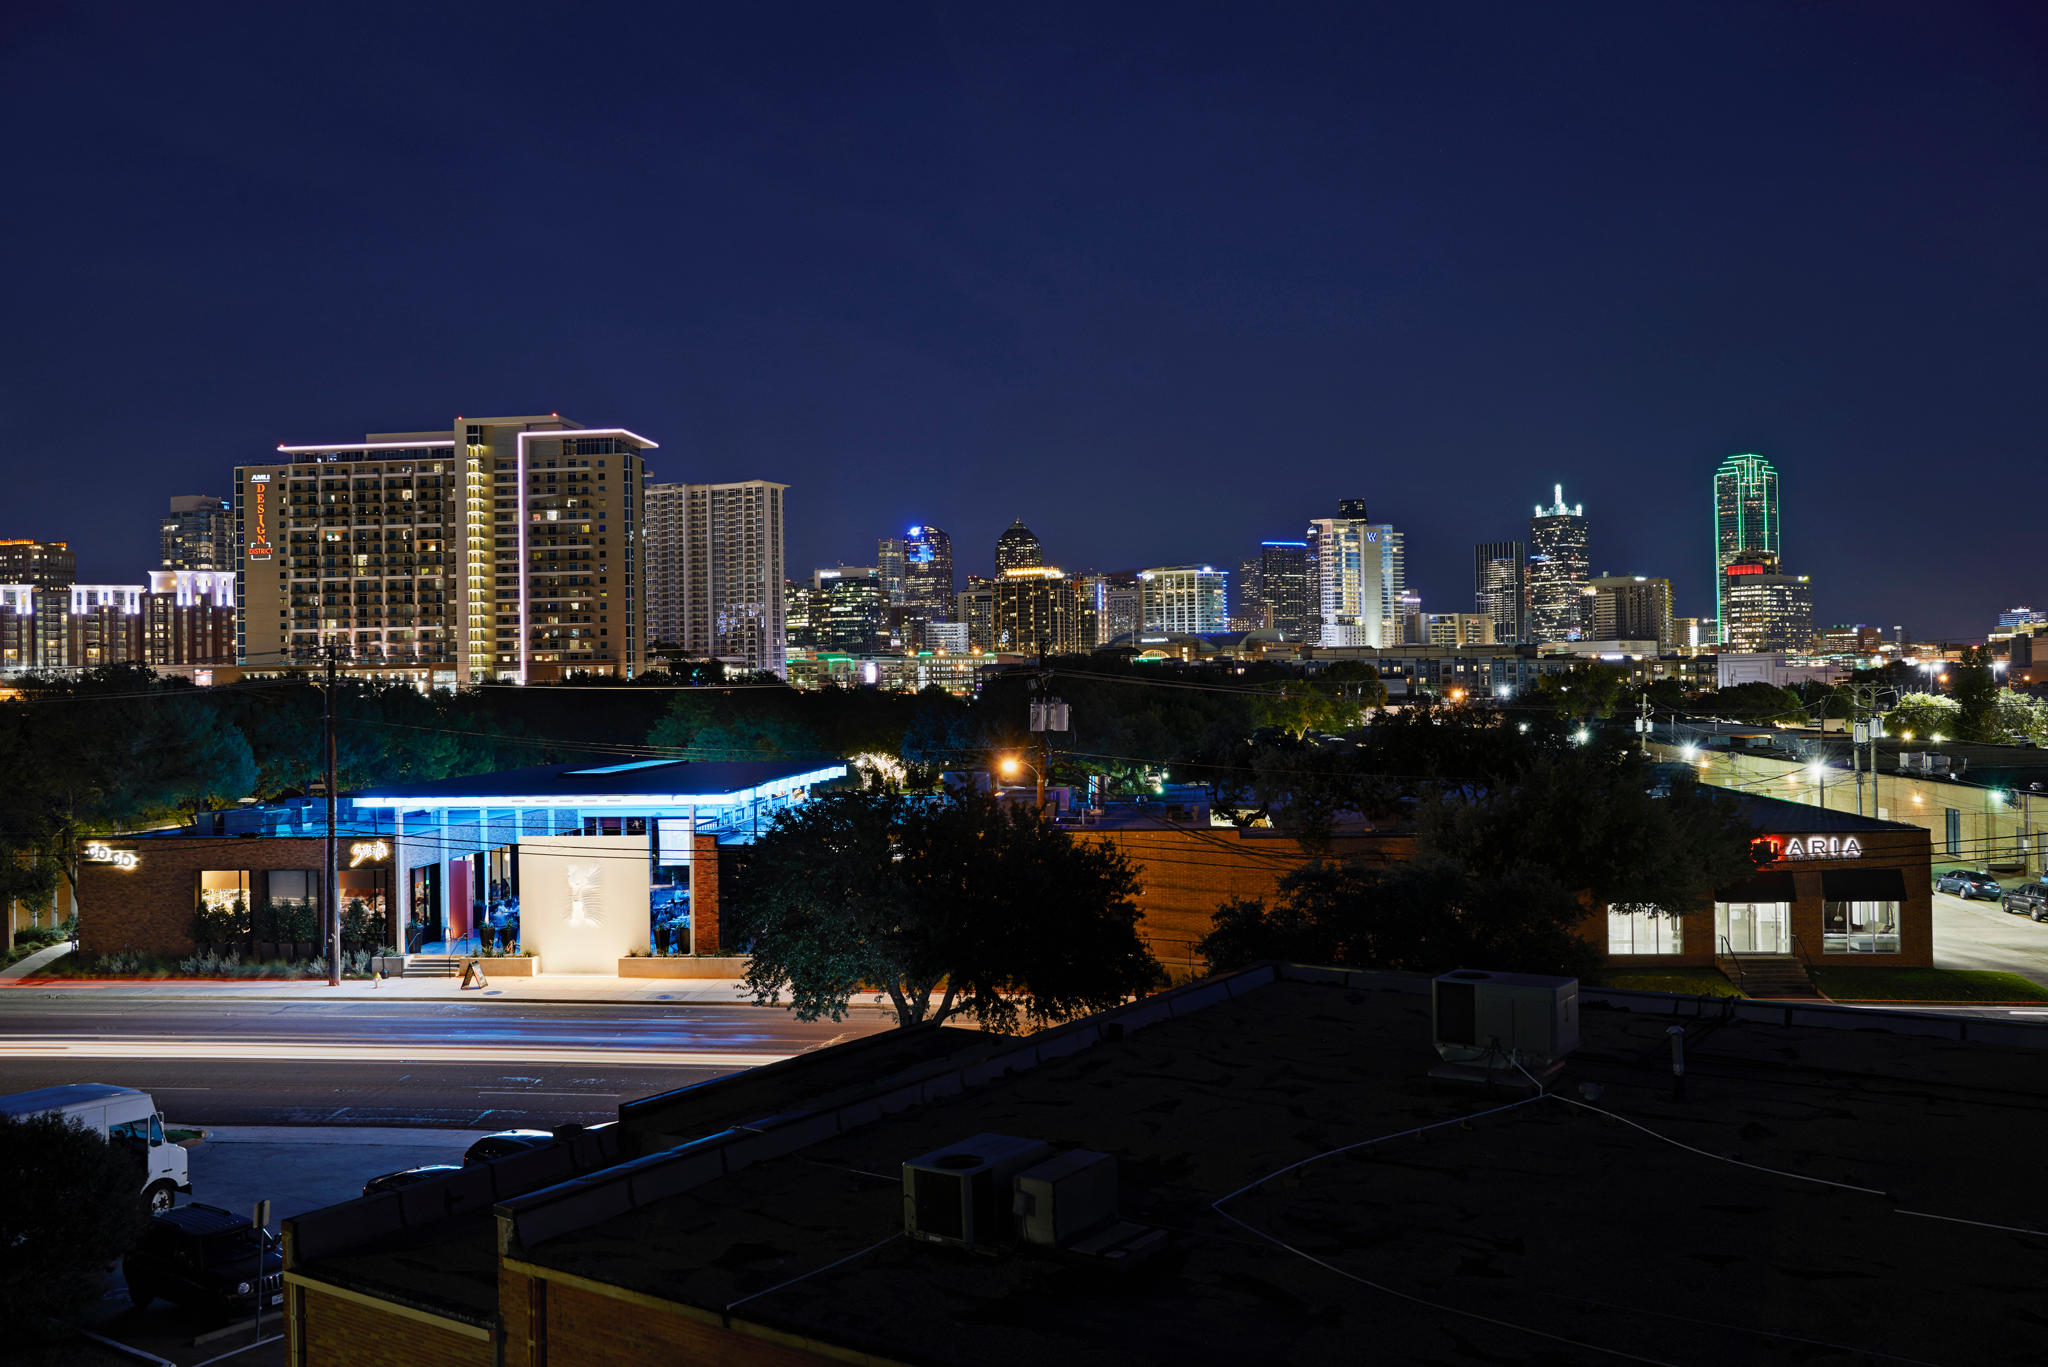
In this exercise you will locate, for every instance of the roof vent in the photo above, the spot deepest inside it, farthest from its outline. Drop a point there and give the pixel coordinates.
(1503, 1027)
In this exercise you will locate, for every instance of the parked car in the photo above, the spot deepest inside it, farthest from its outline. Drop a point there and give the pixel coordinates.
(123, 1117)
(1969, 883)
(206, 1258)
(2028, 899)
(405, 1177)
(505, 1143)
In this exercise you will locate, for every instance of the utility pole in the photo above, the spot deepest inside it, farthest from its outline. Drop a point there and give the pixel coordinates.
(1048, 714)
(333, 862)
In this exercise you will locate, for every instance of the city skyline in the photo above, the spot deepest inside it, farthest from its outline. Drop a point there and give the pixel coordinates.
(912, 266)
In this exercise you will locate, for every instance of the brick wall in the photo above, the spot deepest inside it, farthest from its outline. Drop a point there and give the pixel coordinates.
(1186, 872)
(704, 881)
(329, 1331)
(586, 1329)
(148, 908)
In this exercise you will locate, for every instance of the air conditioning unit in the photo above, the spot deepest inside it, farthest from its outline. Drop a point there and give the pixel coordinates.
(1496, 1020)
(1063, 1198)
(961, 1195)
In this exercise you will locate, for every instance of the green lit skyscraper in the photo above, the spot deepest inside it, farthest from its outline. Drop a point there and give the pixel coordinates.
(1745, 519)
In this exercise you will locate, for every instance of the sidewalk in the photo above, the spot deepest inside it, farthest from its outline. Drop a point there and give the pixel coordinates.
(549, 987)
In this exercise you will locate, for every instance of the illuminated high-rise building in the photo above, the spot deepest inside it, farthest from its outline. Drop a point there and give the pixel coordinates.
(1763, 609)
(927, 591)
(715, 586)
(1630, 607)
(198, 533)
(1500, 588)
(1037, 608)
(503, 550)
(889, 568)
(1745, 519)
(1274, 590)
(1182, 598)
(1018, 549)
(1359, 578)
(1558, 570)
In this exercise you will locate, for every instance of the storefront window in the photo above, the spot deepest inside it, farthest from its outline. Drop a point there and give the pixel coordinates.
(365, 905)
(425, 901)
(1860, 927)
(224, 890)
(1754, 927)
(1641, 930)
(668, 907)
(495, 900)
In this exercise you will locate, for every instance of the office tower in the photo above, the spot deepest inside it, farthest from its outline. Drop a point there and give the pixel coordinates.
(889, 568)
(2016, 619)
(1037, 608)
(1630, 607)
(1763, 609)
(1849, 639)
(1745, 518)
(715, 572)
(1500, 588)
(856, 617)
(1557, 571)
(503, 549)
(803, 615)
(1184, 598)
(1284, 602)
(198, 533)
(43, 564)
(976, 606)
(927, 590)
(1018, 549)
(1359, 578)
(1456, 629)
(1247, 604)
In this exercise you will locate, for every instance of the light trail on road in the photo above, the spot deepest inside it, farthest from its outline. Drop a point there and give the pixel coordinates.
(314, 1051)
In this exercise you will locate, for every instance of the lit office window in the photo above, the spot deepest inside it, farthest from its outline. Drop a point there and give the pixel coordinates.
(1641, 930)
(1860, 927)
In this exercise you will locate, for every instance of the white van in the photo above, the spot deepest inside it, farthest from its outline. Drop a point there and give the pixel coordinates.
(119, 1115)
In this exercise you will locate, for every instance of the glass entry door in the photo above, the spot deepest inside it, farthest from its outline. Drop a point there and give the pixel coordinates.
(1754, 927)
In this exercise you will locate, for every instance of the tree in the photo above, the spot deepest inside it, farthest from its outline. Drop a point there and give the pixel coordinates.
(1582, 691)
(996, 913)
(73, 1206)
(1505, 875)
(1757, 703)
(2022, 717)
(1923, 716)
(1975, 690)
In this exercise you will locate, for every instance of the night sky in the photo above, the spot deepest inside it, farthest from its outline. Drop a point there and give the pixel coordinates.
(1163, 282)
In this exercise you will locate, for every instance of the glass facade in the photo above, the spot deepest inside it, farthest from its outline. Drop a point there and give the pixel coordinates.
(1745, 517)
(224, 889)
(1558, 568)
(1643, 931)
(1754, 927)
(1860, 927)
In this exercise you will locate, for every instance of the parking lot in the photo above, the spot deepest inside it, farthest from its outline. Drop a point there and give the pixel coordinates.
(296, 1168)
(1977, 934)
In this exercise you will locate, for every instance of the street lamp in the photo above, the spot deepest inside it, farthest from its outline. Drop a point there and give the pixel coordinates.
(1581, 736)
(1008, 766)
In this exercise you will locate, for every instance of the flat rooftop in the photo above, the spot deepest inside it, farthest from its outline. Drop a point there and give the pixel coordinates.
(1549, 1231)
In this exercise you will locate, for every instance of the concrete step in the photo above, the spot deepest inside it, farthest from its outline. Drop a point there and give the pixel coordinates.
(432, 965)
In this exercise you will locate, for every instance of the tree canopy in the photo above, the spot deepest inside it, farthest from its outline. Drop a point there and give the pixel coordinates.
(74, 1205)
(944, 905)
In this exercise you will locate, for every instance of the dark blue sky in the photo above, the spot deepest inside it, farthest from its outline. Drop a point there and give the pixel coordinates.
(1162, 281)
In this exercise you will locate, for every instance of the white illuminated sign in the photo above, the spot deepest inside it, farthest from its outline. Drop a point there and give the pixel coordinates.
(1813, 846)
(97, 853)
(364, 851)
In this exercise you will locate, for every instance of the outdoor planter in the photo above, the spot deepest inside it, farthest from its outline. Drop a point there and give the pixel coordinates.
(509, 966)
(683, 966)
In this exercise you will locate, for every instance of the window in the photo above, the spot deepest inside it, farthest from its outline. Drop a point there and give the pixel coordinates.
(1860, 927)
(292, 885)
(1642, 930)
(224, 889)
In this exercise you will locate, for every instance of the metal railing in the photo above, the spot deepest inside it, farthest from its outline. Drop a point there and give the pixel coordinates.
(1729, 963)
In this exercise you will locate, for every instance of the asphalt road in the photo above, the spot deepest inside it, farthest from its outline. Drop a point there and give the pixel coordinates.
(452, 1066)
(1978, 934)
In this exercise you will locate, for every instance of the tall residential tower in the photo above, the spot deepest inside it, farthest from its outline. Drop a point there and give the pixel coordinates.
(715, 584)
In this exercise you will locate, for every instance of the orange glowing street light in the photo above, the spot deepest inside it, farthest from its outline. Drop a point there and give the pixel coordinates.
(1009, 765)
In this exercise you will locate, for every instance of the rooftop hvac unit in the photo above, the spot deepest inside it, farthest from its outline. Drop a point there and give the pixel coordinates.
(1063, 1198)
(962, 1195)
(1492, 1021)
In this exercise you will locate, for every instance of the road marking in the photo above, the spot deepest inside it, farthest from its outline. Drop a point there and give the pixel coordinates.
(594, 1096)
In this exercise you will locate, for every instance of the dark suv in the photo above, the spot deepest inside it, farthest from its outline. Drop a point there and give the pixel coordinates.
(2028, 899)
(207, 1258)
(1968, 884)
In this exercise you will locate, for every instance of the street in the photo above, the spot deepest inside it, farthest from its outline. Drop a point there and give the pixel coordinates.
(453, 1065)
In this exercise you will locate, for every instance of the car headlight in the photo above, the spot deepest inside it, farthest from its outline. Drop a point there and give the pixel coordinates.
(242, 1288)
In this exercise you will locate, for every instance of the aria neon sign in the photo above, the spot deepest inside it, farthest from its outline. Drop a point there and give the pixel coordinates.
(98, 853)
(1811, 846)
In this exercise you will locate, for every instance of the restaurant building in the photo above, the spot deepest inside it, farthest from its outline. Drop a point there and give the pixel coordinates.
(581, 866)
(1829, 887)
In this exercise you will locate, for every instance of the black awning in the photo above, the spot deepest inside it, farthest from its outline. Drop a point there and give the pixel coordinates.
(1770, 886)
(1863, 885)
